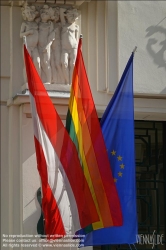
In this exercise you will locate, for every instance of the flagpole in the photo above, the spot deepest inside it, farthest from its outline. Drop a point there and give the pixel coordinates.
(134, 50)
(25, 43)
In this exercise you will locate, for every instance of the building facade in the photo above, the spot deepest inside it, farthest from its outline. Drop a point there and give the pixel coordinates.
(111, 30)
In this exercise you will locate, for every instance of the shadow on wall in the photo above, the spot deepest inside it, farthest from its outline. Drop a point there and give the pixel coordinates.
(163, 91)
(156, 48)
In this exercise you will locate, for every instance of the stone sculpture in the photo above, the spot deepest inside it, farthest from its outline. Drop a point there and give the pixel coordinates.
(69, 36)
(46, 37)
(52, 40)
(29, 29)
(57, 74)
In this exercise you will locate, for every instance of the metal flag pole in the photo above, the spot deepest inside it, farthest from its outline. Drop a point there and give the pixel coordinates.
(134, 50)
(25, 41)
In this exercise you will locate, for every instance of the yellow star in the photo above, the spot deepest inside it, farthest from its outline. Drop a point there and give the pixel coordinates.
(122, 166)
(115, 180)
(120, 174)
(113, 152)
(119, 158)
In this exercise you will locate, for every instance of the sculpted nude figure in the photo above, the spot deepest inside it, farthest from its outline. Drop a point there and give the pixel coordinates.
(29, 29)
(57, 74)
(69, 37)
(46, 37)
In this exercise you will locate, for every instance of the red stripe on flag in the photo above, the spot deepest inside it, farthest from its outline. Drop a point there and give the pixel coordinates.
(53, 221)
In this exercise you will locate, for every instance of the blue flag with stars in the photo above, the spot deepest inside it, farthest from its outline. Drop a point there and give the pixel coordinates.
(118, 130)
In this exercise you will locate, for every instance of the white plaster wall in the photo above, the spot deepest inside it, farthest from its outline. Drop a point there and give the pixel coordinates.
(11, 52)
(5, 42)
(111, 30)
(143, 24)
(5, 172)
(11, 179)
(5, 52)
(15, 176)
(99, 29)
(16, 51)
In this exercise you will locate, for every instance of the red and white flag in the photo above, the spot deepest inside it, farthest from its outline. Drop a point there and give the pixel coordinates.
(67, 203)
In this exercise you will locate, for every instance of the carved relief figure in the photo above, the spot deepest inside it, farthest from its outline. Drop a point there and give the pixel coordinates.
(57, 74)
(29, 28)
(46, 37)
(69, 37)
(52, 41)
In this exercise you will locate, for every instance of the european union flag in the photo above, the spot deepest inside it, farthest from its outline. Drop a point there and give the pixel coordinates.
(118, 130)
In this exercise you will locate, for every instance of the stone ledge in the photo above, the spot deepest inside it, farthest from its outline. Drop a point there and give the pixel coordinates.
(51, 87)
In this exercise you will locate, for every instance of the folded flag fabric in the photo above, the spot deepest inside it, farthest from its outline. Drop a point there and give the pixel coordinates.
(117, 126)
(84, 129)
(67, 201)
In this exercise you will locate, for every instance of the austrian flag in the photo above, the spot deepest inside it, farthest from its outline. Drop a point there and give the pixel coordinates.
(67, 202)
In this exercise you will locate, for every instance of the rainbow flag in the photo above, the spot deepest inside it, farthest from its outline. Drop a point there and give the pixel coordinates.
(84, 129)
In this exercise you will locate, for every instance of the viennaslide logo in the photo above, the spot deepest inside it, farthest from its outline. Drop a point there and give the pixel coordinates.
(150, 239)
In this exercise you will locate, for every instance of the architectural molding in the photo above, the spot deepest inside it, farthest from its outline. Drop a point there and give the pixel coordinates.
(40, 2)
(153, 108)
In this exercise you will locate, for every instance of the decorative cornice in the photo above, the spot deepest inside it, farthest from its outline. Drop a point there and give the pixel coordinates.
(38, 2)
